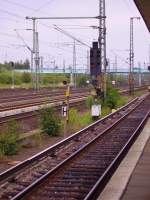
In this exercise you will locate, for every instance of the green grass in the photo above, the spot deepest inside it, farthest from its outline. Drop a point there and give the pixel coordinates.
(23, 79)
(9, 139)
(78, 120)
(105, 111)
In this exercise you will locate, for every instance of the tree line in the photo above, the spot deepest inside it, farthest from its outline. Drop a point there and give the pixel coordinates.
(17, 65)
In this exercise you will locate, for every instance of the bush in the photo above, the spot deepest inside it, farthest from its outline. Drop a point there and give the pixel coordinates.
(26, 77)
(112, 98)
(8, 139)
(5, 78)
(50, 122)
(54, 78)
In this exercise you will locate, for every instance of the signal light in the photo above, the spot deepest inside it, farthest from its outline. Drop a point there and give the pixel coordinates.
(12, 64)
(65, 82)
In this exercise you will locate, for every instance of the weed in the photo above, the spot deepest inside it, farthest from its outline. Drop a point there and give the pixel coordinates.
(50, 122)
(9, 139)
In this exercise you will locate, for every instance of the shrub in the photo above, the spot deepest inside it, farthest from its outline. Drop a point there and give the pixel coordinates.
(8, 139)
(26, 77)
(54, 78)
(50, 122)
(5, 78)
(112, 98)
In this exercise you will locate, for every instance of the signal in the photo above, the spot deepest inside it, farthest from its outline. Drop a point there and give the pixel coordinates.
(95, 65)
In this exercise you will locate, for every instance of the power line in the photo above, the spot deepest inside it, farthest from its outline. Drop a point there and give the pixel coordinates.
(8, 19)
(43, 5)
(17, 4)
(11, 13)
(52, 27)
(24, 6)
(127, 6)
(8, 35)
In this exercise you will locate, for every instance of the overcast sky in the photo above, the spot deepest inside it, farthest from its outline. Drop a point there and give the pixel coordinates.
(55, 46)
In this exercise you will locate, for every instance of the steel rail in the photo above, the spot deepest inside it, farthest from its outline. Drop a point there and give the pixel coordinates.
(10, 98)
(101, 183)
(35, 158)
(106, 175)
(38, 103)
(19, 167)
(35, 113)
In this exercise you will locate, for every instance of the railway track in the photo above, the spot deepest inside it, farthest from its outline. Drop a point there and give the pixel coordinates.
(26, 112)
(36, 95)
(29, 121)
(36, 100)
(79, 164)
(126, 91)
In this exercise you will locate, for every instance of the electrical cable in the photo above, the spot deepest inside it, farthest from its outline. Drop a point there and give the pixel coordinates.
(24, 6)
(8, 35)
(11, 13)
(128, 6)
(43, 5)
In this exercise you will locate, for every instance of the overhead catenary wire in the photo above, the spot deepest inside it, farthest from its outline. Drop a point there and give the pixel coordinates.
(12, 14)
(43, 5)
(128, 6)
(21, 5)
(8, 35)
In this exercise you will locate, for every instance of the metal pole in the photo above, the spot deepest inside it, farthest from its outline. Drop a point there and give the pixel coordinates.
(71, 76)
(139, 70)
(67, 114)
(37, 63)
(68, 95)
(33, 61)
(13, 76)
(34, 18)
(102, 46)
(64, 66)
(88, 62)
(74, 62)
(41, 70)
(131, 57)
(115, 68)
(32, 74)
(105, 61)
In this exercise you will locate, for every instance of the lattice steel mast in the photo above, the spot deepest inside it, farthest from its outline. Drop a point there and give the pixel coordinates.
(131, 56)
(102, 45)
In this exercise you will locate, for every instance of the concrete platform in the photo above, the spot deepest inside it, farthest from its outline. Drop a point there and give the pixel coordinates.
(132, 178)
